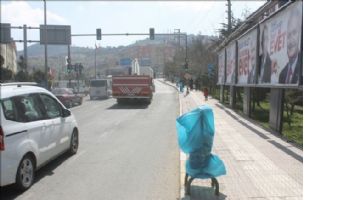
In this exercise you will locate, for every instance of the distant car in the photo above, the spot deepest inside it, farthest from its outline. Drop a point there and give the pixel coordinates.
(100, 88)
(35, 127)
(67, 96)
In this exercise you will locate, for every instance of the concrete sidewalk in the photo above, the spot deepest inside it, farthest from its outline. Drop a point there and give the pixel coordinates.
(259, 164)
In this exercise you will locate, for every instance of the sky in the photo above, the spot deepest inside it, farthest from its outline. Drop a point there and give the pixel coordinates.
(192, 17)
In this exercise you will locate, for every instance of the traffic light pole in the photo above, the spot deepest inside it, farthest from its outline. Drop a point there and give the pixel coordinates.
(95, 61)
(45, 46)
(135, 34)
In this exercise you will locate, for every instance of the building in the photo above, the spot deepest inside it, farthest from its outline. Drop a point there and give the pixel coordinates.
(9, 54)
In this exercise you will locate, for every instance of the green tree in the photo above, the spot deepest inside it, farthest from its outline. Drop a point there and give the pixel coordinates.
(5, 74)
(22, 75)
(39, 77)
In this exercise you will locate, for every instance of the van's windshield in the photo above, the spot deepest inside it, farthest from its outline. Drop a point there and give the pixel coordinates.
(98, 83)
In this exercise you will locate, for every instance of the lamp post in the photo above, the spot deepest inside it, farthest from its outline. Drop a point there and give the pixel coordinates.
(45, 46)
(95, 60)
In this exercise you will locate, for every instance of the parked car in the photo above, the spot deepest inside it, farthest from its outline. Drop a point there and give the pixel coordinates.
(35, 128)
(67, 96)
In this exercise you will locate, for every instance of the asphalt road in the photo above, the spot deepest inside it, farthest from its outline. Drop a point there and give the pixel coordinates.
(126, 151)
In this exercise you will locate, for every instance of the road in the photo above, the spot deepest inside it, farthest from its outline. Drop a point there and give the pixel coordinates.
(127, 151)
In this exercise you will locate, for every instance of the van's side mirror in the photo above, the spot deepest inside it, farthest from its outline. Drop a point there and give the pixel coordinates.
(66, 113)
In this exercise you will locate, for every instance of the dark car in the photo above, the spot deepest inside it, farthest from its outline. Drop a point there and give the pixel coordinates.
(67, 97)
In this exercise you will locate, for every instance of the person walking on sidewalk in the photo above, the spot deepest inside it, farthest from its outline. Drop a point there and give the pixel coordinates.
(191, 84)
(205, 93)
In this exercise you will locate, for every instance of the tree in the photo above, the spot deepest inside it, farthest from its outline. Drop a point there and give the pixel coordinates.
(6, 74)
(199, 56)
(21, 64)
(39, 77)
(292, 98)
(22, 75)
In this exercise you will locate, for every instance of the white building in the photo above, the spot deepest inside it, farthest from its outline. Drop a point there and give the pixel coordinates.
(8, 52)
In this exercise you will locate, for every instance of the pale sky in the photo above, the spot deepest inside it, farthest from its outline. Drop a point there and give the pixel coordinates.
(192, 17)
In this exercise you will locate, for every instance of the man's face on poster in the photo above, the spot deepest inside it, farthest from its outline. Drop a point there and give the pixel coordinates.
(293, 37)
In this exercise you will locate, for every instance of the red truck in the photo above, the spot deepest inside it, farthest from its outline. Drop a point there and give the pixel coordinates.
(132, 87)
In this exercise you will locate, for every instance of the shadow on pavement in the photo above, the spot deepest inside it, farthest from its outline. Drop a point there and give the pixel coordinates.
(276, 144)
(132, 104)
(203, 193)
(10, 191)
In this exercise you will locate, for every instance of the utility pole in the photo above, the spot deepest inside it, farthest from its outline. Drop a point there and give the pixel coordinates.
(95, 60)
(25, 46)
(178, 32)
(45, 46)
(229, 15)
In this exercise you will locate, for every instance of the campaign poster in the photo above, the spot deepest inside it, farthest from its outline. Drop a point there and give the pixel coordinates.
(280, 47)
(247, 56)
(230, 65)
(221, 67)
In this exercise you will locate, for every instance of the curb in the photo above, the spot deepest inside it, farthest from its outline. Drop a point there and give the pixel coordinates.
(182, 155)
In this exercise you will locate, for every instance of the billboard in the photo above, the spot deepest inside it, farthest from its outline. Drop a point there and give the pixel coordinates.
(125, 62)
(56, 34)
(280, 47)
(247, 55)
(221, 67)
(230, 63)
(5, 33)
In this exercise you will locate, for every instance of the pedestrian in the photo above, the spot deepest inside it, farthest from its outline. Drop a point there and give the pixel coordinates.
(205, 93)
(191, 84)
(187, 91)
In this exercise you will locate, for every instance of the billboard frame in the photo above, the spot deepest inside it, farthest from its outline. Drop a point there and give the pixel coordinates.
(53, 31)
(5, 30)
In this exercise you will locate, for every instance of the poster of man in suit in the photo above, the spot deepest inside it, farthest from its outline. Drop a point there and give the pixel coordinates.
(290, 72)
(221, 67)
(265, 64)
(284, 32)
(247, 57)
(230, 65)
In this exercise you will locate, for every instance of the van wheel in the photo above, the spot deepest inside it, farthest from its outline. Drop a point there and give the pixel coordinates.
(25, 173)
(74, 143)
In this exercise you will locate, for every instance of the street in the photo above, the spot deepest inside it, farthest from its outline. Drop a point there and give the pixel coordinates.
(126, 151)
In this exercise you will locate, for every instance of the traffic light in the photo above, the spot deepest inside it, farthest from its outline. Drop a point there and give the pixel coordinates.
(80, 68)
(151, 33)
(186, 65)
(69, 68)
(98, 34)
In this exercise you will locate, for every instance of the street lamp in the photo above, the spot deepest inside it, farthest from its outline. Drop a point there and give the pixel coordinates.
(45, 46)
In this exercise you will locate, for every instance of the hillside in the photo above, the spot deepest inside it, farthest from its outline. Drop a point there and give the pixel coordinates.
(160, 50)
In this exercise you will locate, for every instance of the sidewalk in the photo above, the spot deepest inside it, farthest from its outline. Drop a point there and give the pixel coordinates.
(259, 164)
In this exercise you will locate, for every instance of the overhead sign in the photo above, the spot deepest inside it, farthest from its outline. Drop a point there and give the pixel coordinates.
(247, 58)
(221, 67)
(230, 64)
(5, 33)
(280, 47)
(125, 62)
(56, 34)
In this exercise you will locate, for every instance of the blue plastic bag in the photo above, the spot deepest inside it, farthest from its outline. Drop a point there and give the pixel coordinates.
(195, 136)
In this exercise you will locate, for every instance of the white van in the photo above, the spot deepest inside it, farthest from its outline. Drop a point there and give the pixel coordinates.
(35, 128)
(100, 88)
